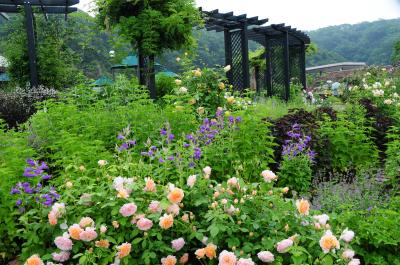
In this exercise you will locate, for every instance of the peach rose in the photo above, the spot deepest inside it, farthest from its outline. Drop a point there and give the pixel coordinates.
(176, 195)
(303, 206)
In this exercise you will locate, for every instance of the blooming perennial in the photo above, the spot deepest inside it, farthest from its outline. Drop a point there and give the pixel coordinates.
(329, 242)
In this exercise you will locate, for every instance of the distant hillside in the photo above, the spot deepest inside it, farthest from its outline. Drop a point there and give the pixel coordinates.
(370, 42)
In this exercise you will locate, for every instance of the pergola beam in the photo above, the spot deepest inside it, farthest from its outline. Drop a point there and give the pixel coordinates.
(46, 9)
(40, 2)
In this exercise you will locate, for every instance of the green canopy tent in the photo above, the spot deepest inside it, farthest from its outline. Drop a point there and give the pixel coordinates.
(132, 61)
(103, 81)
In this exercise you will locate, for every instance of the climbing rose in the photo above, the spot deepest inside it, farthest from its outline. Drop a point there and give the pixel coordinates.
(173, 209)
(211, 251)
(86, 221)
(155, 207)
(184, 259)
(191, 180)
(329, 242)
(322, 219)
(102, 163)
(178, 244)
(103, 243)
(128, 209)
(124, 250)
(268, 176)
(176, 195)
(103, 229)
(266, 256)
(283, 245)
(144, 224)
(227, 258)
(233, 182)
(354, 262)
(166, 221)
(243, 261)
(34, 260)
(303, 206)
(88, 235)
(63, 256)
(63, 243)
(74, 231)
(227, 68)
(169, 260)
(150, 185)
(207, 171)
(347, 235)
(348, 254)
(200, 253)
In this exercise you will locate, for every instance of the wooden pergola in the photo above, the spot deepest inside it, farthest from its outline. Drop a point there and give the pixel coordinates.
(36, 6)
(284, 51)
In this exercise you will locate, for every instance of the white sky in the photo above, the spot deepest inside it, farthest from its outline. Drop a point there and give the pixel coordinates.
(304, 14)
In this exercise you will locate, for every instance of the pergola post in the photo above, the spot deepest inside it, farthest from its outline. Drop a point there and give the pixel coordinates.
(245, 57)
(228, 53)
(31, 45)
(286, 65)
(303, 76)
(268, 68)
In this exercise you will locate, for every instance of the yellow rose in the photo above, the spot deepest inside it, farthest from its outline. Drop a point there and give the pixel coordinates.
(197, 72)
(230, 100)
(192, 101)
(221, 85)
(200, 110)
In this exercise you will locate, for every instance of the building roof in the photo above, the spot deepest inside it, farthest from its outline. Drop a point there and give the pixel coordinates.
(336, 67)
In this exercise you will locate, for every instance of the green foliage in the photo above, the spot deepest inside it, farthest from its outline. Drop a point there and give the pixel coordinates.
(164, 84)
(151, 26)
(377, 242)
(14, 149)
(65, 49)
(242, 150)
(296, 173)
(392, 163)
(396, 53)
(349, 145)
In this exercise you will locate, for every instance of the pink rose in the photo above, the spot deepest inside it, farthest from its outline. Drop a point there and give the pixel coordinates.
(347, 235)
(178, 244)
(144, 224)
(88, 235)
(63, 243)
(174, 209)
(268, 176)
(155, 207)
(283, 245)
(63, 256)
(243, 261)
(227, 258)
(266, 256)
(191, 180)
(128, 209)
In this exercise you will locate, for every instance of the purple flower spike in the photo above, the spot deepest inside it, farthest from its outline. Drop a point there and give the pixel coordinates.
(120, 137)
(31, 162)
(171, 158)
(161, 160)
(186, 145)
(171, 137)
(18, 202)
(132, 142)
(46, 177)
(14, 190)
(29, 172)
(163, 132)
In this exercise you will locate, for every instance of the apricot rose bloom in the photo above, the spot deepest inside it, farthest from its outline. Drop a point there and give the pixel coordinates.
(166, 221)
(74, 231)
(184, 259)
(124, 250)
(176, 195)
(86, 221)
(329, 242)
(150, 185)
(211, 251)
(103, 243)
(200, 253)
(303, 206)
(34, 260)
(169, 260)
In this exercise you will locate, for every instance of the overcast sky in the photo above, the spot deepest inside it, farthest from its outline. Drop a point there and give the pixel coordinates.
(305, 14)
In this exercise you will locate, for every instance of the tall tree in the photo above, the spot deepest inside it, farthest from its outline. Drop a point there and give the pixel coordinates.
(151, 26)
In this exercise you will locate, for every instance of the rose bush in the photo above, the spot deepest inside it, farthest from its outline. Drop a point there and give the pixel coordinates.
(141, 218)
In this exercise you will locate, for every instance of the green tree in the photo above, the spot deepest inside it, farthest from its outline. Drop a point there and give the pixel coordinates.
(151, 26)
(396, 53)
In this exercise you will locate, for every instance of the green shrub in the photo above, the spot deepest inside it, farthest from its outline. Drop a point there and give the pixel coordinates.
(347, 142)
(14, 149)
(392, 163)
(377, 237)
(296, 173)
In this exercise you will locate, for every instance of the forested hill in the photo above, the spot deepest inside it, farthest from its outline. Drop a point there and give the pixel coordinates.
(370, 42)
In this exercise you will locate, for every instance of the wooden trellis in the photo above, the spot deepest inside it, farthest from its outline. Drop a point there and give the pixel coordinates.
(36, 6)
(285, 51)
